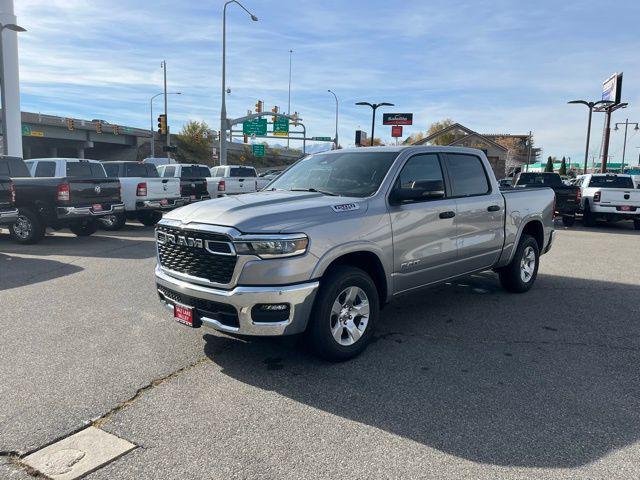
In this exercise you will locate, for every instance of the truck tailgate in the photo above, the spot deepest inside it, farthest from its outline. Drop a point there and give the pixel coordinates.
(90, 191)
(620, 197)
(235, 185)
(159, 188)
(193, 188)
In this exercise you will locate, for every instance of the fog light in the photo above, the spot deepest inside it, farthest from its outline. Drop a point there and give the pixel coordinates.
(270, 312)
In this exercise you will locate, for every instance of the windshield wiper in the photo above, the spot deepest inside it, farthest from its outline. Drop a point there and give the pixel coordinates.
(314, 190)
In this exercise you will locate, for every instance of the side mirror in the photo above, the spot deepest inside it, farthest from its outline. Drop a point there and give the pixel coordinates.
(419, 191)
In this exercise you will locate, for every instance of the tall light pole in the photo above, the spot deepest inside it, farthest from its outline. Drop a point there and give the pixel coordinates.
(5, 139)
(151, 129)
(589, 105)
(335, 140)
(223, 106)
(289, 104)
(624, 145)
(374, 107)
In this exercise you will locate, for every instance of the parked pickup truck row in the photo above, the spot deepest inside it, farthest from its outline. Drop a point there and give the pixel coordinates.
(339, 234)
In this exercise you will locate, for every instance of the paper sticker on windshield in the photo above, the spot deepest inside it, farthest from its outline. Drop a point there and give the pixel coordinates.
(345, 207)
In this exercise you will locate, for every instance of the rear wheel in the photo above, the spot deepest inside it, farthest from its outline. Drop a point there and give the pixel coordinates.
(113, 222)
(28, 228)
(344, 314)
(149, 219)
(520, 275)
(636, 224)
(588, 218)
(568, 221)
(84, 228)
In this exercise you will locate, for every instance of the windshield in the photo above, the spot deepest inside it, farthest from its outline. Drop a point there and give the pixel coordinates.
(611, 181)
(539, 179)
(349, 174)
(195, 171)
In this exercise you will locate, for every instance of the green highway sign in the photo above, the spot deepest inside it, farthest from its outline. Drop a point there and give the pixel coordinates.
(256, 126)
(26, 130)
(258, 150)
(281, 126)
(322, 139)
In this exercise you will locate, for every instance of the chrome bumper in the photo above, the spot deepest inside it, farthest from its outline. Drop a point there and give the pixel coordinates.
(71, 212)
(300, 298)
(190, 200)
(8, 216)
(158, 205)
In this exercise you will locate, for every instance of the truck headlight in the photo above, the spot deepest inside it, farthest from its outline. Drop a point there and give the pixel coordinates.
(272, 246)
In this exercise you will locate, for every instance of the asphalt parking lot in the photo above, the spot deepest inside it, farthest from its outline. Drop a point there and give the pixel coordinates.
(463, 380)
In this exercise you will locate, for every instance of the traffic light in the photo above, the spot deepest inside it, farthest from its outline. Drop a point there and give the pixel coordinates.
(70, 124)
(116, 130)
(99, 127)
(296, 117)
(274, 110)
(162, 124)
(246, 138)
(259, 105)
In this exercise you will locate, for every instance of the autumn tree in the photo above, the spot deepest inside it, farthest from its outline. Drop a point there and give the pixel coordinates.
(195, 143)
(445, 139)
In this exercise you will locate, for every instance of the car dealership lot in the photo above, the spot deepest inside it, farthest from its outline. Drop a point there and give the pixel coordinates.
(464, 380)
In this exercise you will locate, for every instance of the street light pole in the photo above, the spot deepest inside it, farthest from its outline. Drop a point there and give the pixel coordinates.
(289, 105)
(590, 106)
(624, 145)
(335, 140)
(374, 107)
(223, 105)
(5, 139)
(151, 129)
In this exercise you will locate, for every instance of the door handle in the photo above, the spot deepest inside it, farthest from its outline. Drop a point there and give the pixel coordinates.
(493, 208)
(449, 214)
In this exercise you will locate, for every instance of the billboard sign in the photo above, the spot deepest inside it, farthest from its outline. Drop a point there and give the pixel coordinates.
(396, 131)
(397, 118)
(612, 88)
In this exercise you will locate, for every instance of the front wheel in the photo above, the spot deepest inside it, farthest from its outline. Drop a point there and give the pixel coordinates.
(344, 314)
(149, 219)
(113, 222)
(520, 275)
(28, 228)
(85, 228)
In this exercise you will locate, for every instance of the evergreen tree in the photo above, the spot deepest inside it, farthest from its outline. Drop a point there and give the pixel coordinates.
(563, 167)
(549, 166)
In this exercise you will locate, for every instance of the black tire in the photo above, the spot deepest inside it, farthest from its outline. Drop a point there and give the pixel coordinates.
(636, 224)
(28, 229)
(512, 277)
(84, 228)
(588, 219)
(334, 287)
(568, 221)
(149, 219)
(113, 222)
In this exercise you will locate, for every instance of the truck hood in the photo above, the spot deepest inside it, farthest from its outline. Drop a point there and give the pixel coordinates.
(271, 211)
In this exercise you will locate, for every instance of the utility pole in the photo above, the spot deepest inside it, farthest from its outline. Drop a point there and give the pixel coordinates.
(608, 110)
(168, 140)
(529, 153)
(624, 145)
(590, 106)
(335, 140)
(289, 105)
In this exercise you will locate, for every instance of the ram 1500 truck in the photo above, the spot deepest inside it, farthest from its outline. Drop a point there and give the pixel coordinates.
(145, 195)
(609, 196)
(60, 193)
(567, 196)
(341, 233)
(195, 181)
(8, 210)
(233, 180)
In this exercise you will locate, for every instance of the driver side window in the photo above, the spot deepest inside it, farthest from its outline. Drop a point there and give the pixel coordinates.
(420, 170)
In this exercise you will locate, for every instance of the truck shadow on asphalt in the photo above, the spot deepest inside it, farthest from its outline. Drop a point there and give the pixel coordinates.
(19, 272)
(534, 380)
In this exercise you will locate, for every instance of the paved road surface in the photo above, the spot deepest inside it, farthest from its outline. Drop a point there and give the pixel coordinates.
(463, 381)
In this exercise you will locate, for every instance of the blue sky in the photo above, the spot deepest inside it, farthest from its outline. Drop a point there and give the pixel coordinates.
(496, 66)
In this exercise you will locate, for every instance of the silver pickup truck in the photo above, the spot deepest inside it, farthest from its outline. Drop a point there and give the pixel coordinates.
(341, 233)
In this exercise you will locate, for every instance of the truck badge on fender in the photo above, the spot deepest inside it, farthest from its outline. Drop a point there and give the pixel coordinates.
(345, 207)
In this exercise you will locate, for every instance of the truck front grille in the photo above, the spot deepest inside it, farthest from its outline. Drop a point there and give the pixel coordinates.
(183, 251)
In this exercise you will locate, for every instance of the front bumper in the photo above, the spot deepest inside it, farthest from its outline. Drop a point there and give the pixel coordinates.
(158, 205)
(8, 216)
(79, 212)
(300, 297)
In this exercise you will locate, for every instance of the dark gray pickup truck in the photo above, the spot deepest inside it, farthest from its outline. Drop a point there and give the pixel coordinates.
(60, 193)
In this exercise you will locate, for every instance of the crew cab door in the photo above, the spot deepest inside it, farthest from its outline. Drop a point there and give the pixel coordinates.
(480, 210)
(424, 231)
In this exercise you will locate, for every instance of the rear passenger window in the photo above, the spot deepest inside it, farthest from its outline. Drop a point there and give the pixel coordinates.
(467, 175)
(111, 169)
(419, 170)
(45, 169)
(169, 172)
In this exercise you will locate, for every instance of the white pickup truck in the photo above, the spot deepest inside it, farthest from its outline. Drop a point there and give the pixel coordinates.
(196, 183)
(233, 180)
(609, 196)
(144, 194)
